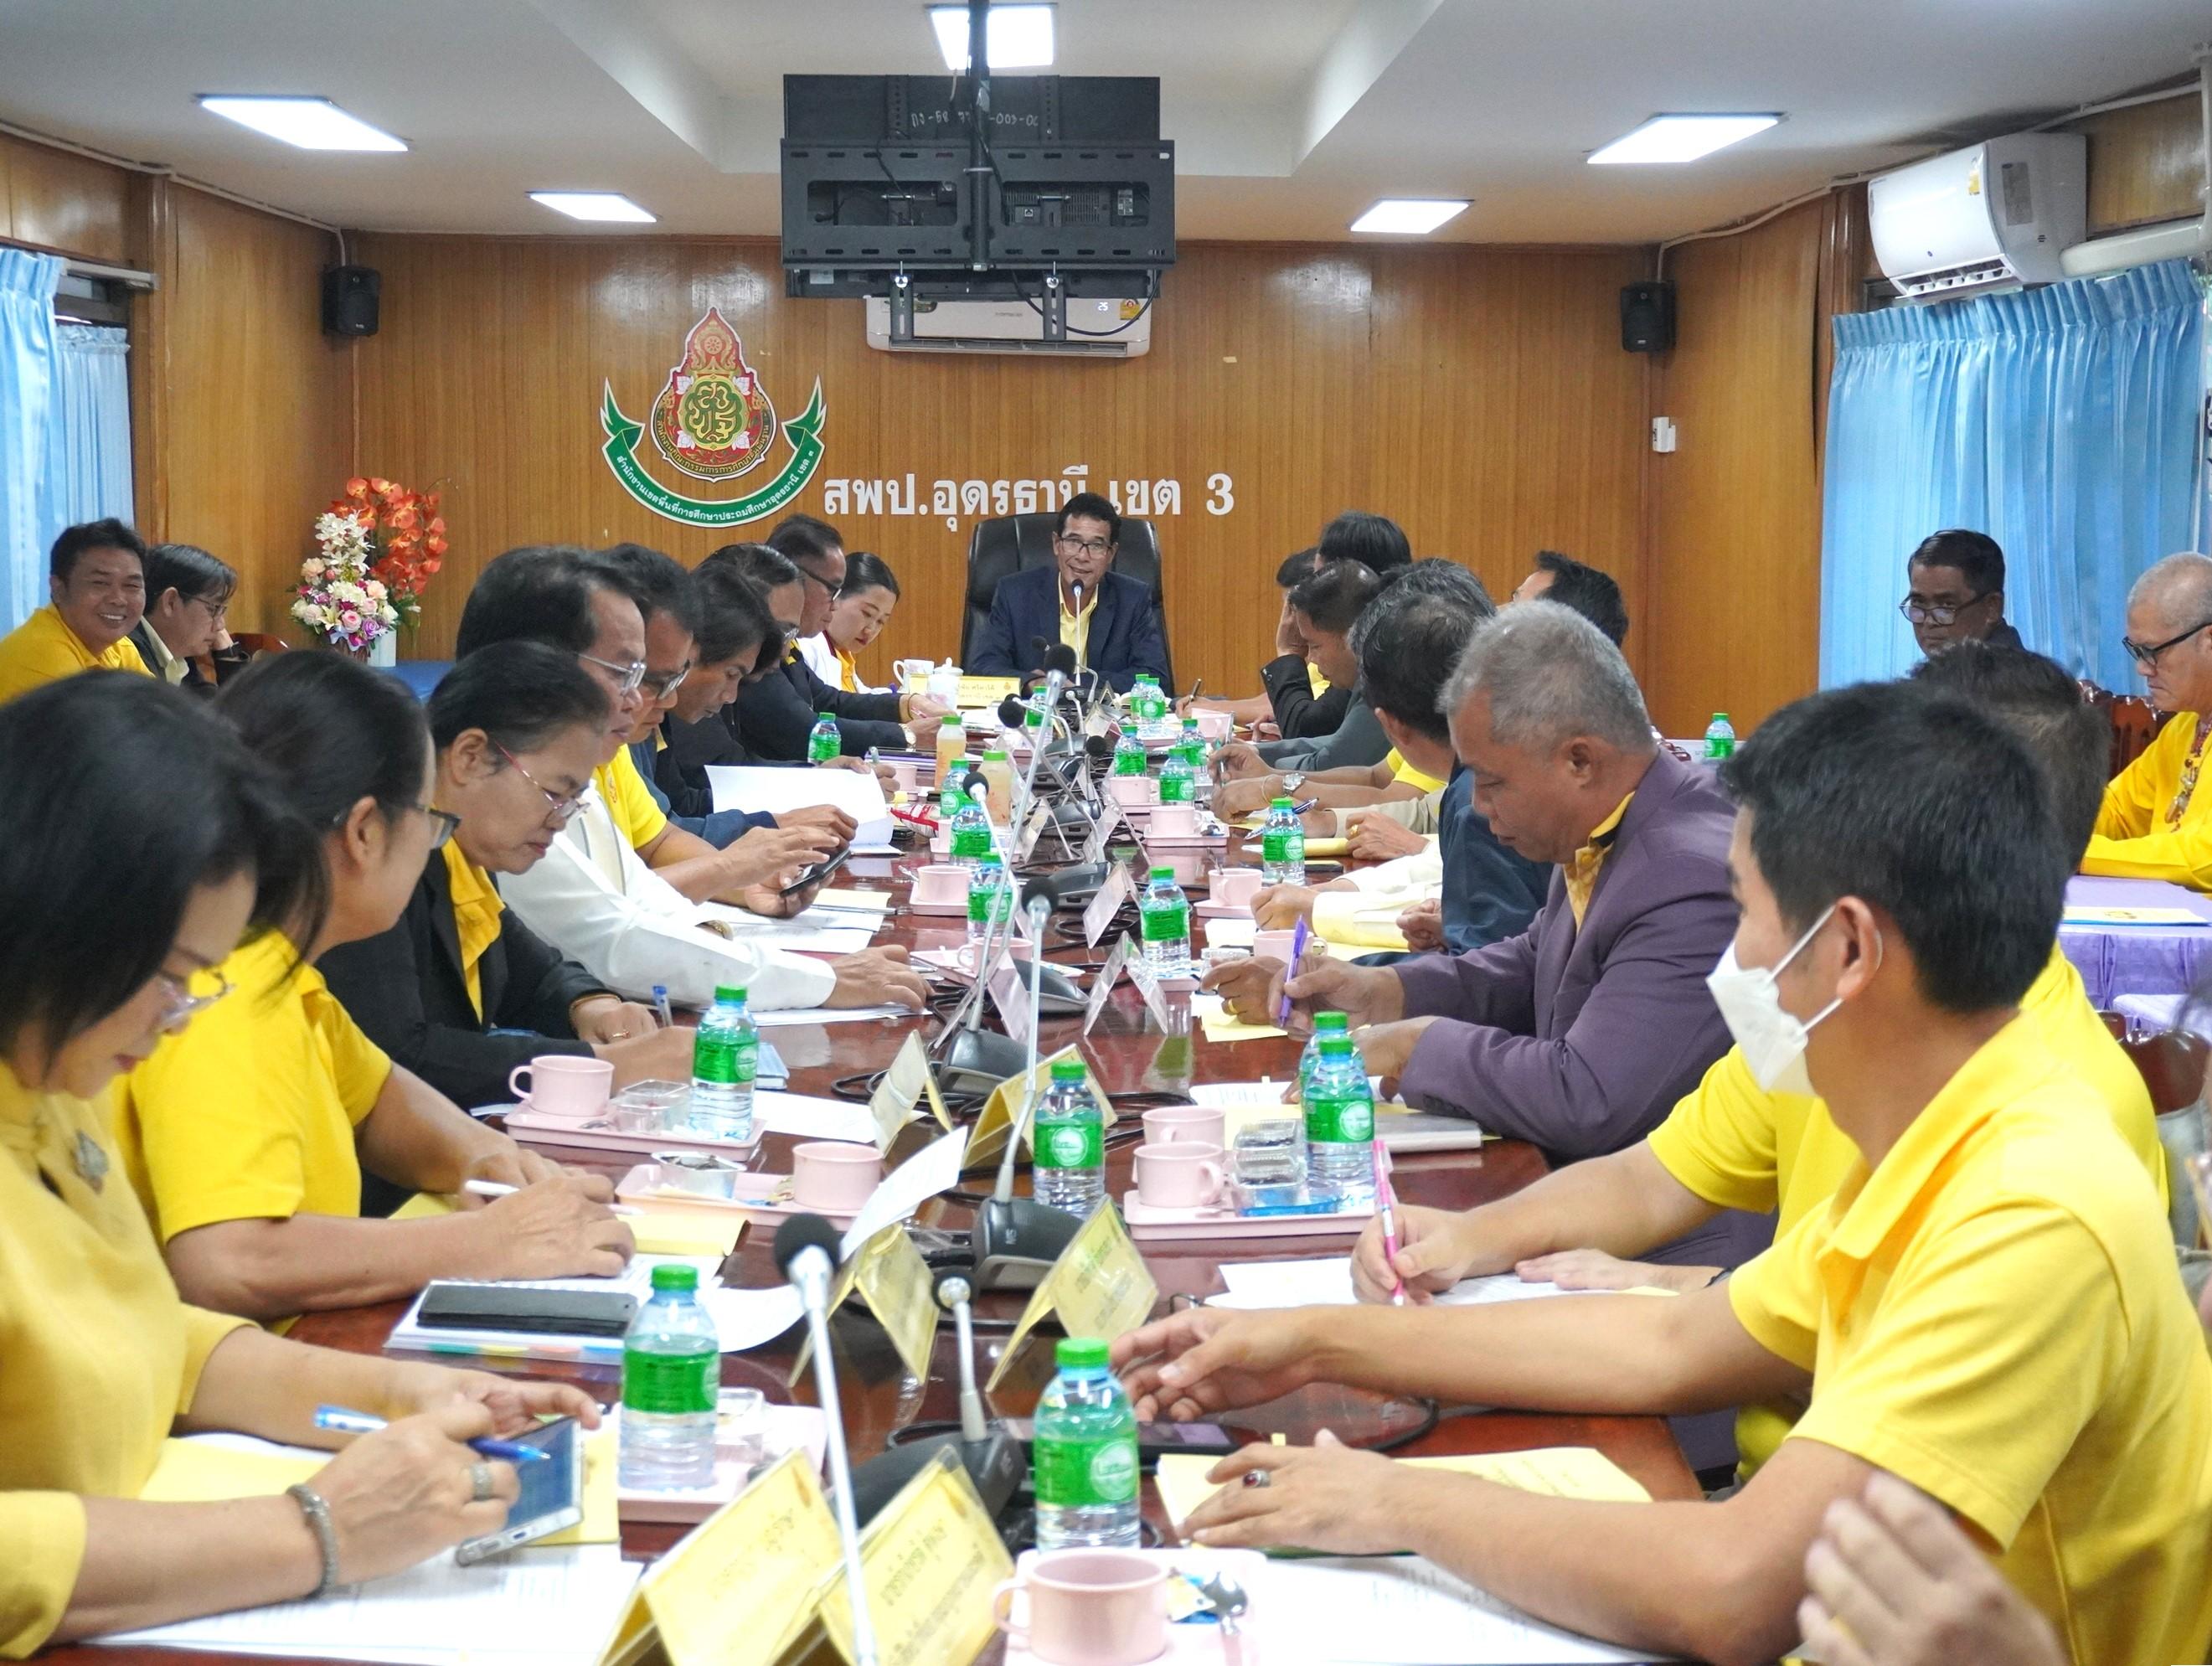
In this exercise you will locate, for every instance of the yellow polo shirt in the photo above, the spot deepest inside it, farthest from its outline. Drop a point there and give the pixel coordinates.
(1401, 770)
(2139, 834)
(248, 1114)
(100, 1356)
(44, 649)
(1075, 627)
(1579, 872)
(1739, 1146)
(1314, 680)
(477, 909)
(1992, 1315)
(635, 815)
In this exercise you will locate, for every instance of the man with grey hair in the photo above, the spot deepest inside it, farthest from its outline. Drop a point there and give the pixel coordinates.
(2156, 824)
(1580, 1033)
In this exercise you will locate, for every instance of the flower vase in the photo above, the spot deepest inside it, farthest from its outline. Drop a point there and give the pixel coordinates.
(384, 650)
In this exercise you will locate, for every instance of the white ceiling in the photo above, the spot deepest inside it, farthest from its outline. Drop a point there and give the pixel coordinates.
(1290, 116)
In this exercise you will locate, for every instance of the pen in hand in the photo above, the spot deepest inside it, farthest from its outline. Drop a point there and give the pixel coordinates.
(338, 1420)
(501, 1189)
(660, 1006)
(1386, 1208)
(1298, 952)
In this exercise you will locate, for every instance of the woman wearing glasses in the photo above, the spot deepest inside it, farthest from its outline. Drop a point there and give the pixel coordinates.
(247, 1135)
(862, 610)
(459, 991)
(110, 942)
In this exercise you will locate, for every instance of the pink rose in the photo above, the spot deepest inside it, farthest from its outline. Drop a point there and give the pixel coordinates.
(349, 621)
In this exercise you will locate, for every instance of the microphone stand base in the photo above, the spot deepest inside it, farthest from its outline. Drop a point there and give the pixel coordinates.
(995, 1463)
(1017, 1239)
(979, 1060)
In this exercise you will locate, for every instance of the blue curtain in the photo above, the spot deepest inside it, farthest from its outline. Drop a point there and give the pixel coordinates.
(89, 433)
(27, 376)
(2063, 422)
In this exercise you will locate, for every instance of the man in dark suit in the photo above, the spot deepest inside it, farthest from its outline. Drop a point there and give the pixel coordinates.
(188, 593)
(1955, 584)
(1108, 619)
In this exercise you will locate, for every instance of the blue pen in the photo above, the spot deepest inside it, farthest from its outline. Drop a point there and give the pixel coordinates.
(1297, 949)
(338, 1420)
(660, 1006)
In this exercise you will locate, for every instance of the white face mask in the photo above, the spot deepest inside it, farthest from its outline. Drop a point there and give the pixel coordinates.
(1773, 1041)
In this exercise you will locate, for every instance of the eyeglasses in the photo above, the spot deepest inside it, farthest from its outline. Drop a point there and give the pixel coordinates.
(562, 809)
(667, 682)
(1936, 614)
(1084, 546)
(182, 1005)
(815, 578)
(629, 677)
(2145, 655)
(444, 821)
(215, 610)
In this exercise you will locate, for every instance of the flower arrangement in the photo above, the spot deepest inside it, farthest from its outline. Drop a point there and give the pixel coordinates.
(406, 539)
(337, 598)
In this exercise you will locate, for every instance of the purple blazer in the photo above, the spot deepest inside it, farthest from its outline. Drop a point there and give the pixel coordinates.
(1580, 1042)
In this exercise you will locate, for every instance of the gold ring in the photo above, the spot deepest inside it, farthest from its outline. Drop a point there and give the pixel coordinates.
(619, 1035)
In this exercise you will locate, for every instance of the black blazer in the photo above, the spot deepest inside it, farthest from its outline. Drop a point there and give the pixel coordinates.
(775, 714)
(228, 664)
(1300, 713)
(405, 989)
(1124, 635)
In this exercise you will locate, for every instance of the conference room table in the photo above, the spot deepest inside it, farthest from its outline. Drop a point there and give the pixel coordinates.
(2119, 958)
(1130, 1055)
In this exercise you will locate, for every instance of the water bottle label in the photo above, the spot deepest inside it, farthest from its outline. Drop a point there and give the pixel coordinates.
(1075, 1473)
(991, 906)
(1174, 789)
(972, 842)
(713, 1058)
(1166, 922)
(1345, 1121)
(1283, 845)
(1070, 1145)
(670, 1384)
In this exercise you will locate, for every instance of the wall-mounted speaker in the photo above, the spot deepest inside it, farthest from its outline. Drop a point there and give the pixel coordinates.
(350, 299)
(1647, 317)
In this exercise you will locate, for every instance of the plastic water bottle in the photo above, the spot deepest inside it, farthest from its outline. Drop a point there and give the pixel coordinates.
(1085, 1458)
(671, 1377)
(1339, 1112)
(1129, 753)
(823, 741)
(952, 745)
(1325, 1024)
(1149, 704)
(990, 899)
(1067, 1143)
(725, 1059)
(1282, 846)
(1163, 923)
(971, 833)
(1720, 736)
(1192, 748)
(1176, 784)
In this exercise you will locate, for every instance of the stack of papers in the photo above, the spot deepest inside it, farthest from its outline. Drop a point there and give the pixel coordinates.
(855, 791)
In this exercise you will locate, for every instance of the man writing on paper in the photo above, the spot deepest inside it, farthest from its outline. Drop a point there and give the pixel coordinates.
(1107, 618)
(1464, 889)
(2156, 824)
(1986, 1309)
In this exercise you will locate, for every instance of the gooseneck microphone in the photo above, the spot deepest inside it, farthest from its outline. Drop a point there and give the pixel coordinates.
(806, 1251)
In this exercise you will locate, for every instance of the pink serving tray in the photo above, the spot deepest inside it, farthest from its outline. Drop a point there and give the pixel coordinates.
(1205, 1225)
(642, 1185)
(534, 1130)
(785, 1427)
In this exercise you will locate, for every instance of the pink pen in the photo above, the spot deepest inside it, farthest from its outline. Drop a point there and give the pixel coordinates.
(1384, 1206)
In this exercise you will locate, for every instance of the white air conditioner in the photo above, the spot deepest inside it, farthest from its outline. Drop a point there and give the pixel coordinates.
(1096, 329)
(2000, 212)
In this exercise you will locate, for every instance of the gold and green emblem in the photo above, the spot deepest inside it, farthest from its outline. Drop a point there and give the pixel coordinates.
(714, 421)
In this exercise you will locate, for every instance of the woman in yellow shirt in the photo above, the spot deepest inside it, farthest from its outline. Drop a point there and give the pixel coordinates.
(862, 610)
(112, 940)
(246, 1136)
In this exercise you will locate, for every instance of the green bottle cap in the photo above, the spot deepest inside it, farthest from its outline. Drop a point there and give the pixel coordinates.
(1067, 1070)
(826, 717)
(1324, 1022)
(1164, 874)
(1280, 803)
(1081, 1351)
(729, 992)
(1720, 717)
(951, 720)
(675, 1275)
(994, 756)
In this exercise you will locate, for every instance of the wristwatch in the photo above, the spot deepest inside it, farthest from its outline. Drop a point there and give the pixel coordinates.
(1292, 781)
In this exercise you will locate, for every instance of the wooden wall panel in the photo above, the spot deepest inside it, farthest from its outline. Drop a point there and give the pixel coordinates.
(1480, 396)
(64, 202)
(252, 403)
(2146, 164)
(1734, 621)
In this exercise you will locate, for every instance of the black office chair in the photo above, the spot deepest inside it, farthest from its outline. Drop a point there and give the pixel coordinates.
(1013, 544)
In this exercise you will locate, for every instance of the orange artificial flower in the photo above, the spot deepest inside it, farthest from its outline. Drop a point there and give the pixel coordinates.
(435, 545)
(356, 487)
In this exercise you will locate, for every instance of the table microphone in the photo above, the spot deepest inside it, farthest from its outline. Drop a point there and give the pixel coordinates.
(1016, 1239)
(806, 1251)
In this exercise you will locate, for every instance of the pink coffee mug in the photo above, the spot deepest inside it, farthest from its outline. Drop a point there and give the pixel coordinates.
(1133, 792)
(907, 774)
(1173, 821)
(1087, 1608)
(1184, 1175)
(1275, 945)
(1236, 887)
(573, 1089)
(1169, 1123)
(1214, 723)
(940, 885)
(833, 1175)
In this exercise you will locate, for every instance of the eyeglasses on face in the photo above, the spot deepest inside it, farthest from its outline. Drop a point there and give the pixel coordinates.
(1084, 546)
(179, 1006)
(562, 808)
(215, 610)
(2145, 654)
(1936, 613)
(659, 688)
(628, 677)
(444, 821)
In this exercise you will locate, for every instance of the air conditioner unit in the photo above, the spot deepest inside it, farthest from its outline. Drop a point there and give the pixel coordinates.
(1997, 213)
(1096, 329)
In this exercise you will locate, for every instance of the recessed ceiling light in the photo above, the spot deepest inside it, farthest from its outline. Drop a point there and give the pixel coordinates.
(593, 205)
(312, 123)
(1682, 139)
(1019, 37)
(1407, 215)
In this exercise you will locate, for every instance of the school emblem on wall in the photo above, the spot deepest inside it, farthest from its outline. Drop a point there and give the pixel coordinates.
(714, 421)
